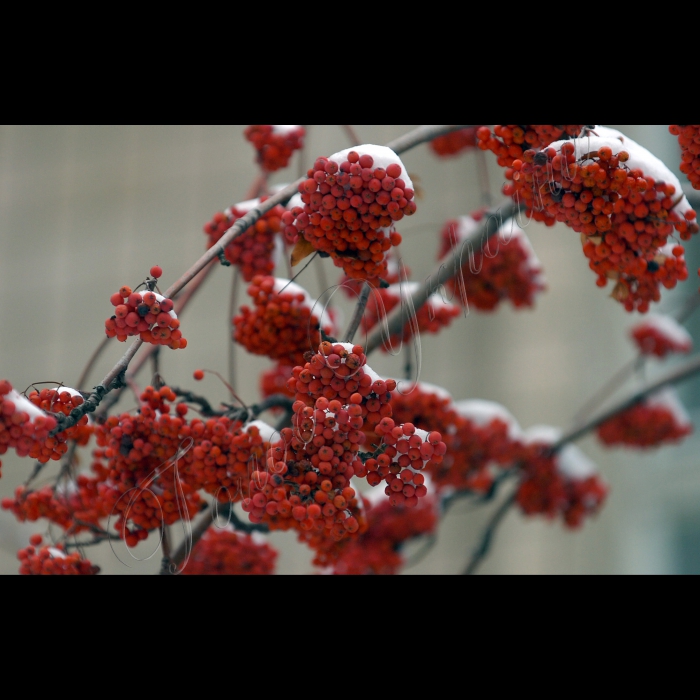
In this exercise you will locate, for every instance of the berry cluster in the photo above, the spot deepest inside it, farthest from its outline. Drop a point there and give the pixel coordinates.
(377, 550)
(658, 420)
(352, 287)
(351, 201)
(72, 506)
(281, 325)
(146, 314)
(340, 372)
(660, 335)
(566, 484)
(228, 553)
(455, 142)
(26, 428)
(689, 140)
(431, 317)
(53, 561)
(275, 143)
(253, 252)
(507, 268)
(623, 201)
(509, 141)
(407, 450)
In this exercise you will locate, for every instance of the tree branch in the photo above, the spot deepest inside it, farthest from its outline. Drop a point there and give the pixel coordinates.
(450, 267)
(358, 313)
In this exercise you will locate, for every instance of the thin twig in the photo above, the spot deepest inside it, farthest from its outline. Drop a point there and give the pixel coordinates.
(231, 342)
(673, 376)
(358, 313)
(188, 544)
(487, 536)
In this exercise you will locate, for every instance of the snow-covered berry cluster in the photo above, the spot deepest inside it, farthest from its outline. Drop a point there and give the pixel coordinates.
(657, 420)
(146, 314)
(507, 267)
(54, 561)
(275, 143)
(351, 202)
(510, 141)
(282, 324)
(255, 251)
(623, 201)
(660, 335)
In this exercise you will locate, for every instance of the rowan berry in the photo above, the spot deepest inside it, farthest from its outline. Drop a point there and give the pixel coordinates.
(275, 143)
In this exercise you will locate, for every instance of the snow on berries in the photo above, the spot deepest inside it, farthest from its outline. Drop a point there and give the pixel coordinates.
(255, 251)
(624, 202)
(657, 420)
(507, 267)
(284, 322)
(455, 142)
(54, 561)
(224, 552)
(351, 202)
(689, 141)
(146, 314)
(565, 484)
(275, 143)
(660, 335)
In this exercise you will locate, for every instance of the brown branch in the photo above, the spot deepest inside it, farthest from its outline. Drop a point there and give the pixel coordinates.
(449, 267)
(487, 536)
(673, 376)
(352, 134)
(91, 362)
(358, 313)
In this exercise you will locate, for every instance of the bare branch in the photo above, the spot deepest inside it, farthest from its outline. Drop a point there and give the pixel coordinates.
(358, 313)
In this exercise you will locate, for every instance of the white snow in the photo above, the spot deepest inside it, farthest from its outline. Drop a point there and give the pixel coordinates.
(284, 128)
(639, 158)
(571, 461)
(382, 156)
(56, 553)
(668, 398)
(23, 404)
(266, 431)
(483, 412)
(668, 328)
(313, 306)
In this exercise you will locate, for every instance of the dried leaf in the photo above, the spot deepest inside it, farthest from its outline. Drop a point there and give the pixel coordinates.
(620, 292)
(418, 190)
(301, 250)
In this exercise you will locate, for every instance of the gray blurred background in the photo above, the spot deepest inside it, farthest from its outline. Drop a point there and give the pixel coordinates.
(86, 209)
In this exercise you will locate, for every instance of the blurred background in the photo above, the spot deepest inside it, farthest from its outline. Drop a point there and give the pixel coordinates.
(87, 209)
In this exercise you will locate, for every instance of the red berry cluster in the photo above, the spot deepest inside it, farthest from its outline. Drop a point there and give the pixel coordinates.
(615, 198)
(377, 550)
(549, 489)
(281, 325)
(63, 400)
(658, 420)
(351, 202)
(253, 251)
(661, 335)
(407, 450)
(510, 141)
(53, 561)
(69, 507)
(228, 553)
(137, 450)
(455, 142)
(26, 428)
(689, 140)
(339, 371)
(146, 314)
(431, 317)
(275, 143)
(507, 268)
